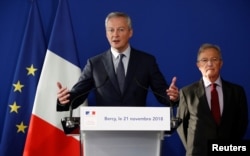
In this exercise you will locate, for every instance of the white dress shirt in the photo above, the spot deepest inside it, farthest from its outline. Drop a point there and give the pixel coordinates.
(219, 90)
(115, 57)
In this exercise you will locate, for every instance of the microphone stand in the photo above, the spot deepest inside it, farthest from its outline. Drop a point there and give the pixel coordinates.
(71, 125)
(175, 122)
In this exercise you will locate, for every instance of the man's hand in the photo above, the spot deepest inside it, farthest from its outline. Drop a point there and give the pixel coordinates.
(173, 91)
(62, 94)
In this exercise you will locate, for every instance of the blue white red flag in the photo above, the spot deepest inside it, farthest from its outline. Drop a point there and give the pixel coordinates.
(46, 136)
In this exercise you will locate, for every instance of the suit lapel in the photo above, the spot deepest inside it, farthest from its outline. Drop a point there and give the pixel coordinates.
(226, 101)
(204, 107)
(131, 69)
(109, 67)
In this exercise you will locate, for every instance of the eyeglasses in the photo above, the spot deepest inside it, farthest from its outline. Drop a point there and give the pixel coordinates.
(212, 60)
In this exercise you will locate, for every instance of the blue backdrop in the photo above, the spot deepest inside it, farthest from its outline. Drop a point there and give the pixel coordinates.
(171, 30)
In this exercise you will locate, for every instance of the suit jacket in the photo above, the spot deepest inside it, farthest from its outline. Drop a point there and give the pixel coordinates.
(99, 75)
(198, 125)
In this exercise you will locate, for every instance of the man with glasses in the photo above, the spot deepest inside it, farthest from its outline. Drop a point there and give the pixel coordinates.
(211, 109)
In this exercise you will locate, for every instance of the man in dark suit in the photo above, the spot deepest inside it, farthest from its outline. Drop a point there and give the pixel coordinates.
(139, 72)
(196, 107)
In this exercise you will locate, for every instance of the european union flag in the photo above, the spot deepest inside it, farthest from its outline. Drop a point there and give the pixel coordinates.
(24, 84)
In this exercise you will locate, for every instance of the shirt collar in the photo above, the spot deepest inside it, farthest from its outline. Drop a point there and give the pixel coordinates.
(126, 52)
(208, 83)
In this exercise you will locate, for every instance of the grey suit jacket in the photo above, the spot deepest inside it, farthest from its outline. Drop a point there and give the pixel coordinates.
(198, 125)
(99, 75)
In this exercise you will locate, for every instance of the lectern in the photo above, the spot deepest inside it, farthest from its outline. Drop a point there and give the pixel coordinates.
(123, 131)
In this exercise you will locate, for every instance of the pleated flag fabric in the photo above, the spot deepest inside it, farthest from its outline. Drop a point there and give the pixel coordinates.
(46, 136)
(21, 98)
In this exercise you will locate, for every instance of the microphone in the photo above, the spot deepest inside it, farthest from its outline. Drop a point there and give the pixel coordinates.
(71, 124)
(175, 122)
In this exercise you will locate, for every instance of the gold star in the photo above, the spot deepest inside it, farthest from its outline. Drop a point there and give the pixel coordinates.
(21, 128)
(18, 86)
(31, 70)
(14, 107)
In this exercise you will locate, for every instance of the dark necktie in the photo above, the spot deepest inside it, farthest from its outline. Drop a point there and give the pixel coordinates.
(120, 73)
(215, 107)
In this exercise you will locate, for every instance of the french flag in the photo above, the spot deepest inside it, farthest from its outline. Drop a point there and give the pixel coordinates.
(45, 136)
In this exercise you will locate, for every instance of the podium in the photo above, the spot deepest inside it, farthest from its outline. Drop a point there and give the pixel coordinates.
(123, 131)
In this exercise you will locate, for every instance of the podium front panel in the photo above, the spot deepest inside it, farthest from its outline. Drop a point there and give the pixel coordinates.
(123, 131)
(125, 118)
(121, 143)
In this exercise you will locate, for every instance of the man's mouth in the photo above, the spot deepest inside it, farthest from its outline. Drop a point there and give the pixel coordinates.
(116, 41)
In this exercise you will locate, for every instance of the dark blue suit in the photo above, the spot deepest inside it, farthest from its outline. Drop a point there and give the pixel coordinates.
(99, 75)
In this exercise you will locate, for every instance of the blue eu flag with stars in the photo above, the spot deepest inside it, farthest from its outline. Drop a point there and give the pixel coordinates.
(23, 89)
